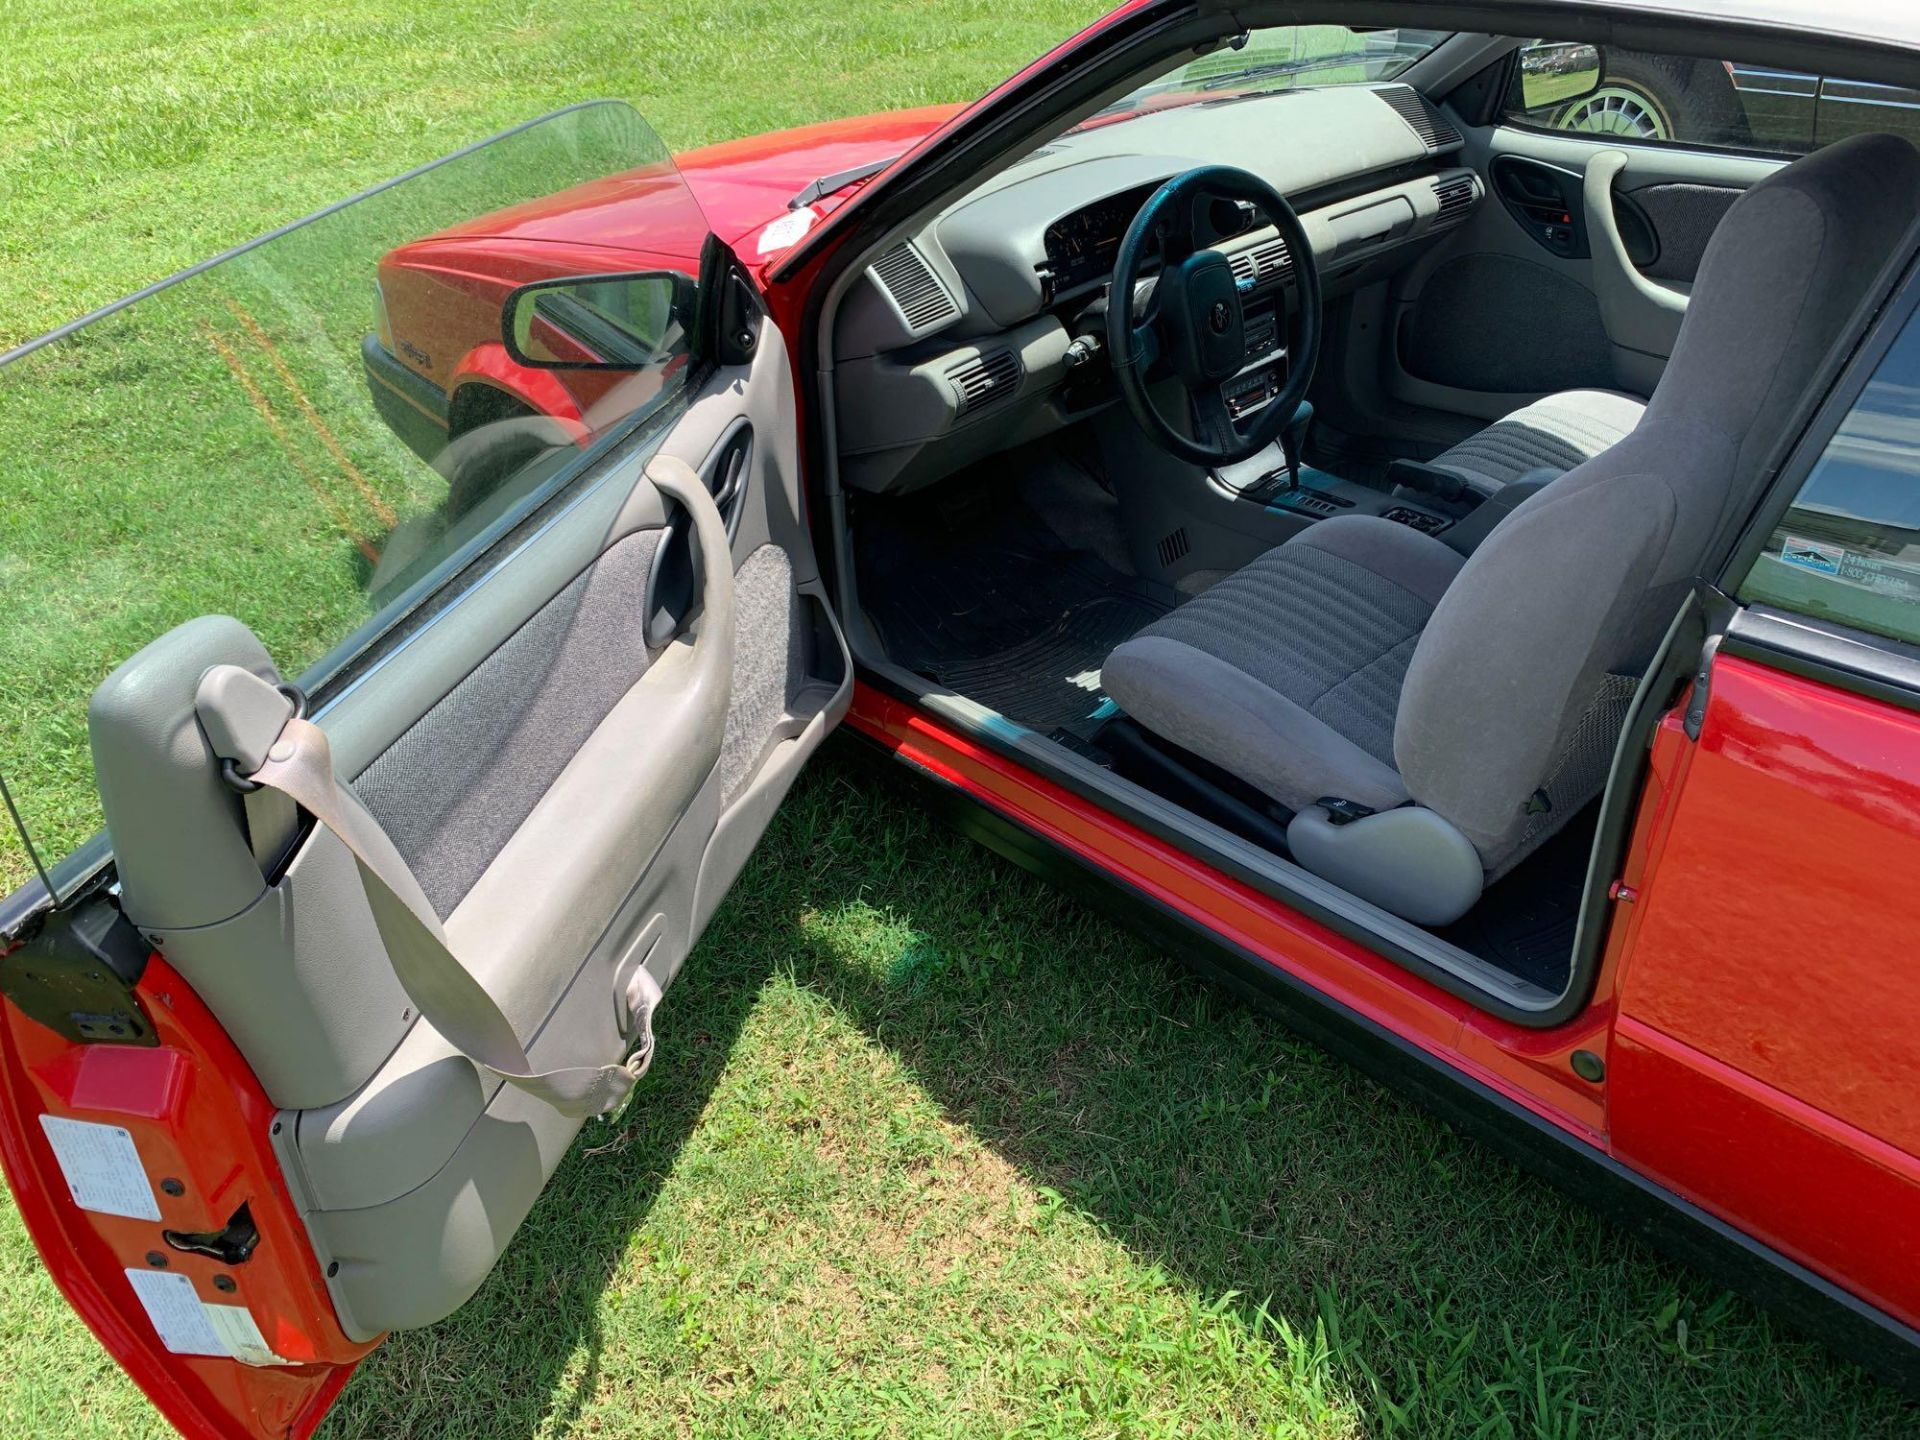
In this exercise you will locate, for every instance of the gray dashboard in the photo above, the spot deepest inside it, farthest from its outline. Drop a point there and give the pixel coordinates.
(965, 322)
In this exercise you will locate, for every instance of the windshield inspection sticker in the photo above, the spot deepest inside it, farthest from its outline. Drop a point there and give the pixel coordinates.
(788, 229)
(101, 1167)
(187, 1325)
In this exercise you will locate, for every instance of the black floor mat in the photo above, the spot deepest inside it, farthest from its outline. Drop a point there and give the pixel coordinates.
(969, 587)
(984, 598)
(1525, 922)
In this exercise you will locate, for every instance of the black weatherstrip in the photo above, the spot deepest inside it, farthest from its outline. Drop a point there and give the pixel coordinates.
(1866, 664)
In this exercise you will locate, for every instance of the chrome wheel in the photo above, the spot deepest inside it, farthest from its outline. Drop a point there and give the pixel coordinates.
(1623, 110)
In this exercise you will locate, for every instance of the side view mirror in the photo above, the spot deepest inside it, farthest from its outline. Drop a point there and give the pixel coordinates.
(601, 322)
(1552, 74)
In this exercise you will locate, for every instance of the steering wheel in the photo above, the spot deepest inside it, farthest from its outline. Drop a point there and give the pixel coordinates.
(1194, 328)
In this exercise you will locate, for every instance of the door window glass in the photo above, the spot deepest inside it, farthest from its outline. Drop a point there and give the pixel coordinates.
(1849, 548)
(317, 432)
(1635, 95)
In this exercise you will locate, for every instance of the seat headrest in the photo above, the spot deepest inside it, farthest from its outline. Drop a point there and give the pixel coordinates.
(1785, 270)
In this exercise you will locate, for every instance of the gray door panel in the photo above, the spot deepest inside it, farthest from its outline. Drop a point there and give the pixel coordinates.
(419, 1178)
(1520, 302)
(528, 751)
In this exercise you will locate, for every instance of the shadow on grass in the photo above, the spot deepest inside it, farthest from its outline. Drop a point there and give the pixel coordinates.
(1457, 1295)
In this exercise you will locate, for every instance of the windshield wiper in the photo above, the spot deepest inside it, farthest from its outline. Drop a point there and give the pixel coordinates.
(1288, 67)
(839, 180)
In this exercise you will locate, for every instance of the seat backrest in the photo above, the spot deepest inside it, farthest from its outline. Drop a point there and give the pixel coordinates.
(1507, 715)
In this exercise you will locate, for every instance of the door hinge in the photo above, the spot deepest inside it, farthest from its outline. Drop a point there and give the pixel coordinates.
(76, 974)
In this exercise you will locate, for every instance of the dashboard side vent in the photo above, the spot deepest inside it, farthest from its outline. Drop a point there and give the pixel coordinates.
(1426, 122)
(915, 290)
(1264, 263)
(1456, 194)
(985, 379)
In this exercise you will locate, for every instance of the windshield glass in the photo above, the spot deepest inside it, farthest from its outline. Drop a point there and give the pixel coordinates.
(315, 433)
(1288, 57)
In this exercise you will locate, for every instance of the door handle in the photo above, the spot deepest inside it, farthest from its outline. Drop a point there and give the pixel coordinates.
(713, 644)
(1637, 313)
(683, 562)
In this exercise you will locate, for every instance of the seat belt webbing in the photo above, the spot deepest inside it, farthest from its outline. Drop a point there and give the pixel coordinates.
(299, 765)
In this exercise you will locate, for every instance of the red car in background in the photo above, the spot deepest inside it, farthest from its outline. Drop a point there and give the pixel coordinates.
(973, 428)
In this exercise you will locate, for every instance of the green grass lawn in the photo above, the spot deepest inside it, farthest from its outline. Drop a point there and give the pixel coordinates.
(929, 1149)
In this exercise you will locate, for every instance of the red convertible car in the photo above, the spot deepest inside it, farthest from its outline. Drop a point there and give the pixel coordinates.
(1454, 576)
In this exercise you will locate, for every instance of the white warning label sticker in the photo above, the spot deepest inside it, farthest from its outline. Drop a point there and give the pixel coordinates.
(176, 1312)
(102, 1168)
(235, 1326)
(187, 1325)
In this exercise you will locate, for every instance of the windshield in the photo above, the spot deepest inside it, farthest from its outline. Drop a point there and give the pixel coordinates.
(299, 435)
(1287, 57)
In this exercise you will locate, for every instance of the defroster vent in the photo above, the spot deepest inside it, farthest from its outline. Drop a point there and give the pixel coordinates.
(1426, 122)
(915, 290)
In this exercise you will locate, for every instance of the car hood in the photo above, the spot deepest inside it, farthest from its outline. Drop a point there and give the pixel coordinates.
(740, 185)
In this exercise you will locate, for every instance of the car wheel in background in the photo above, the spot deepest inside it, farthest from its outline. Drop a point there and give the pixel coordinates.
(1659, 97)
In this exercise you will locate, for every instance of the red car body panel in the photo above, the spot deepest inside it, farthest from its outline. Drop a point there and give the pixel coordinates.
(1528, 1067)
(1766, 1051)
(197, 1116)
(443, 295)
(1714, 947)
(743, 184)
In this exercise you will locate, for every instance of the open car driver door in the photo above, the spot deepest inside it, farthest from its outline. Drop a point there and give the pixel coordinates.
(403, 857)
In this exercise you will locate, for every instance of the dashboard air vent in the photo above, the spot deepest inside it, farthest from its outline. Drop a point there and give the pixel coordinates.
(1264, 263)
(916, 291)
(1456, 196)
(985, 379)
(1426, 122)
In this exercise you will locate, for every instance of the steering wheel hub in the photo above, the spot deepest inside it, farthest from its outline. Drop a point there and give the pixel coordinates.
(1193, 329)
(1204, 333)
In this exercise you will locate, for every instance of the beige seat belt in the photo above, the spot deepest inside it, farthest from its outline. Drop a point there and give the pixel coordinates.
(261, 739)
(299, 764)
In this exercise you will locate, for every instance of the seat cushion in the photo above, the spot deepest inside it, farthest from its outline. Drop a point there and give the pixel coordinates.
(1288, 672)
(1557, 433)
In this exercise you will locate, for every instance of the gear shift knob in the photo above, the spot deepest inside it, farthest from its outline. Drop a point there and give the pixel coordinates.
(1293, 441)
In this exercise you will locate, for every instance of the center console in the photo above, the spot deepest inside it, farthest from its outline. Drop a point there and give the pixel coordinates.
(1433, 506)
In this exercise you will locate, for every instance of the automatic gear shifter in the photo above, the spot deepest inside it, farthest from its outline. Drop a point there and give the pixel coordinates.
(1293, 441)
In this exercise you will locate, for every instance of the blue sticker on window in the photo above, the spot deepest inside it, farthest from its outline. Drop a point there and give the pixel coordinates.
(1812, 555)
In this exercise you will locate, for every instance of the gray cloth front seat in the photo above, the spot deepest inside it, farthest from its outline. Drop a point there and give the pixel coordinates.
(1473, 703)
(1559, 432)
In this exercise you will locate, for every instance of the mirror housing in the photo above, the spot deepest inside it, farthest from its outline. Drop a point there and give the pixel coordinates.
(623, 322)
(1552, 73)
